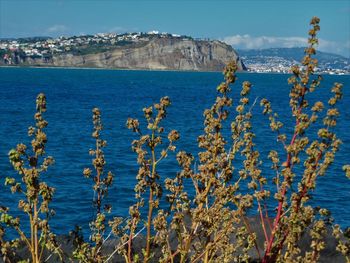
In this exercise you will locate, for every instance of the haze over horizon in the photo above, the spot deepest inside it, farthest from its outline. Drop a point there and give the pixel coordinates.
(243, 24)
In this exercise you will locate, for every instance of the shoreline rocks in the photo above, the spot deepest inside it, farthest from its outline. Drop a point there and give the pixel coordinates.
(329, 254)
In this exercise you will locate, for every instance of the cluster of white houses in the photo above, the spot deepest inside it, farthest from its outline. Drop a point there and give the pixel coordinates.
(44, 46)
(281, 65)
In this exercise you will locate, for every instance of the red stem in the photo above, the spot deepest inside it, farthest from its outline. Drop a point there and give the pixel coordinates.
(304, 191)
(284, 189)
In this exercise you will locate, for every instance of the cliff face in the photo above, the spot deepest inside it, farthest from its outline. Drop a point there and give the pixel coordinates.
(157, 54)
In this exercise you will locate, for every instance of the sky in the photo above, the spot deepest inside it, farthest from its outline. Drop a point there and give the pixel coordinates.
(245, 24)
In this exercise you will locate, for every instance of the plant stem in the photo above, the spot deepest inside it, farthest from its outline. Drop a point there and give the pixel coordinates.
(36, 244)
(98, 177)
(284, 187)
(129, 260)
(150, 201)
(262, 221)
(31, 234)
(206, 256)
(20, 232)
(149, 221)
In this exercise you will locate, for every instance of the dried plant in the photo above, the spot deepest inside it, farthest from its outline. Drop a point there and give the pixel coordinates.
(85, 252)
(148, 180)
(212, 220)
(36, 194)
(213, 225)
(294, 215)
(343, 237)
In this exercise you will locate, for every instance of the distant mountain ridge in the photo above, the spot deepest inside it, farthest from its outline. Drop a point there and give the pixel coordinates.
(289, 56)
(294, 52)
(26, 39)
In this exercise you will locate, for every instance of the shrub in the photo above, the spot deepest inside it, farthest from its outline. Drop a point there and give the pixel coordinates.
(85, 252)
(36, 193)
(213, 226)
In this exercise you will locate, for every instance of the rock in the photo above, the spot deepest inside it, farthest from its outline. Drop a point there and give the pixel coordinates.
(156, 54)
(329, 254)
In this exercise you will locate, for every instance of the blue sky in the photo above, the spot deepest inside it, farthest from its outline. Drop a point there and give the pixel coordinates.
(244, 24)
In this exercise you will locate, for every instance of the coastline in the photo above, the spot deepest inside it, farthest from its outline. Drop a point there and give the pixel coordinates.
(110, 69)
(116, 69)
(157, 70)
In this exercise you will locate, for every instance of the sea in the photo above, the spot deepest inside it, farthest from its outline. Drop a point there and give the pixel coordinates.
(121, 94)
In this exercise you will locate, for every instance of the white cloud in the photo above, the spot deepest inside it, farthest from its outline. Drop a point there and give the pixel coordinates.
(261, 42)
(342, 48)
(57, 29)
(117, 29)
(251, 42)
(120, 29)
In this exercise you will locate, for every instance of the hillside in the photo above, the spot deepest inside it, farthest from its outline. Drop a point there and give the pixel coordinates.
(129, 51)
(282, 58)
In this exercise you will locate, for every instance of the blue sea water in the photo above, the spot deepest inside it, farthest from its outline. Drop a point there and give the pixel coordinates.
(71, 95)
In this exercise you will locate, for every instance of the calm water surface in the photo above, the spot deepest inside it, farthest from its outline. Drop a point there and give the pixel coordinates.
(71, 95)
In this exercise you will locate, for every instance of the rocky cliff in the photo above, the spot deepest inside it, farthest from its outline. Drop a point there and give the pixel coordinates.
(156, 54)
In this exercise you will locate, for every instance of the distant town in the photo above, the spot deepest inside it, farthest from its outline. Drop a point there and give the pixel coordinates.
(280, 60)
(281, 65)
(14, 50)
(45, 47)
